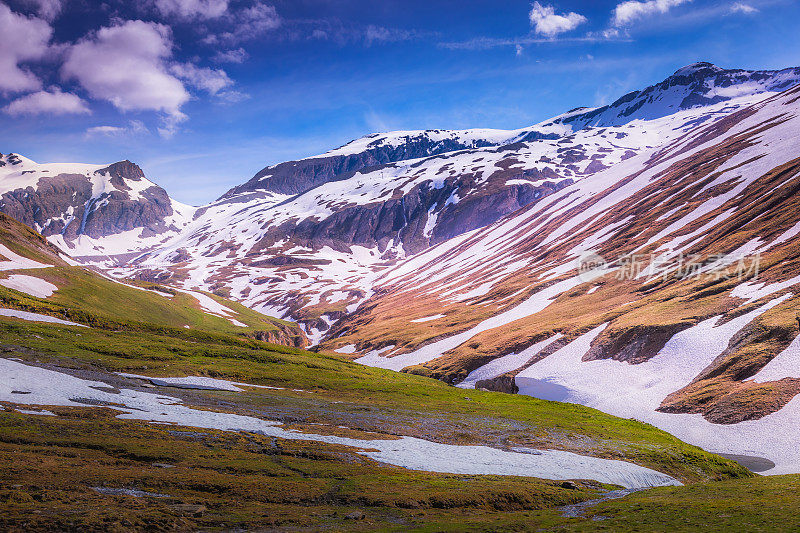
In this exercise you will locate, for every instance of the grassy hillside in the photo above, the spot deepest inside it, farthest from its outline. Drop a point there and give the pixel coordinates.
(52, 466)
(86, 297)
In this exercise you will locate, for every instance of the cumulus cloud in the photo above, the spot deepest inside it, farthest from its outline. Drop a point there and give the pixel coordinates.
(125, 64)
(546, 22)
(134, 127)
(210, 80)
(192, 9)
(21, 39)
(52, 102)
(629, 11)
(247, 24)
(746, 9)
(238, 55)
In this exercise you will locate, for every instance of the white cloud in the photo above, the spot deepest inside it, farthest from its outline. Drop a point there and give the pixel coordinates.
(53, 102)
(233, 97)
(21, 39)
(133, 127)
(379, 34)
(629, 11)
(520, 49)
(610, 33)
(210, 80)
(170, 124)
(546, 22)
(190, 9)
(47, 9)
(746, 9)
(238, 55)
(126, 65)
(247, 24)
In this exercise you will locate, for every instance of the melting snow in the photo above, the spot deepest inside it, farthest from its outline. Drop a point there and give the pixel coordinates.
(784, 365)
(29, 285)
(48, 387)
(507, 363)
(636, 391)
(17, 262)
(427, 319)
(35, 317)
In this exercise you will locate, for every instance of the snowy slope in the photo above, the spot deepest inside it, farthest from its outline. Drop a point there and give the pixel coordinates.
(307, 240)
(313, 257)
(684, 353)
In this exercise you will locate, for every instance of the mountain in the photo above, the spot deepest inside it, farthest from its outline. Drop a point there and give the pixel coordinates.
(696, 85)
(90, 210)
(38, 282)
(144, 407)
(455, 254)
(689, 319)
(305, 240)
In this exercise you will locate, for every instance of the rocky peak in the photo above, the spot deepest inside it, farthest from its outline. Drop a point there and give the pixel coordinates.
(121, 171)
(696, 85)
(695, 68)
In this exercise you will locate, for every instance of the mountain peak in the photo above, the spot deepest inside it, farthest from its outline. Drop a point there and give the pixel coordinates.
(689, 70)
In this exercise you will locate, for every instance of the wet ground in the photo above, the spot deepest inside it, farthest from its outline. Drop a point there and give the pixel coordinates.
(750, 462)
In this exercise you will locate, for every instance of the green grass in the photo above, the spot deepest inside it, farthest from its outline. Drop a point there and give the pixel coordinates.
(48, 467)
(87, 298)
(757, 504)
(365, 398)
(216, 480)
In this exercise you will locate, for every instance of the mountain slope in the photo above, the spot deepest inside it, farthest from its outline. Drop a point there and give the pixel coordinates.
(696, 85)
(36, 278)
(148, 425)
(306, 240)
(504, 307)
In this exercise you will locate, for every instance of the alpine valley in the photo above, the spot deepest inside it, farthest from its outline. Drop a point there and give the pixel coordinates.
(609, 296)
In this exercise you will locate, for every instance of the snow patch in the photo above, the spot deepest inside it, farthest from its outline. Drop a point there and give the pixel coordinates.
(29, 285)
(35, 317)
(47, 387)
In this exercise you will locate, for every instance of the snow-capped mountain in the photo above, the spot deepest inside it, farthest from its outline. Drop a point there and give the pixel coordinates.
(307, 240)
(688, 318)
(90, 210)
(460, 254)
(696, 85)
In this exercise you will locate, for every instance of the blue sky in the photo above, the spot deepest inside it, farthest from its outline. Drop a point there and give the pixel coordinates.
(204, 93)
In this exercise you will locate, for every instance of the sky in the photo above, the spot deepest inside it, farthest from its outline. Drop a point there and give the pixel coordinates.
(202, 94)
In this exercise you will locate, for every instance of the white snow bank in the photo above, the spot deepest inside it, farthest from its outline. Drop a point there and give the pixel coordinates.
(208, 304)
(29, 285)
(751, 291)
(17, 262)
(784, 365)
(48, 387)
(636, 391)
(30, 412)
(531, 306)
(198, 382)
(427, 319)
(507, 363)
(350, 348)
(36, 317)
